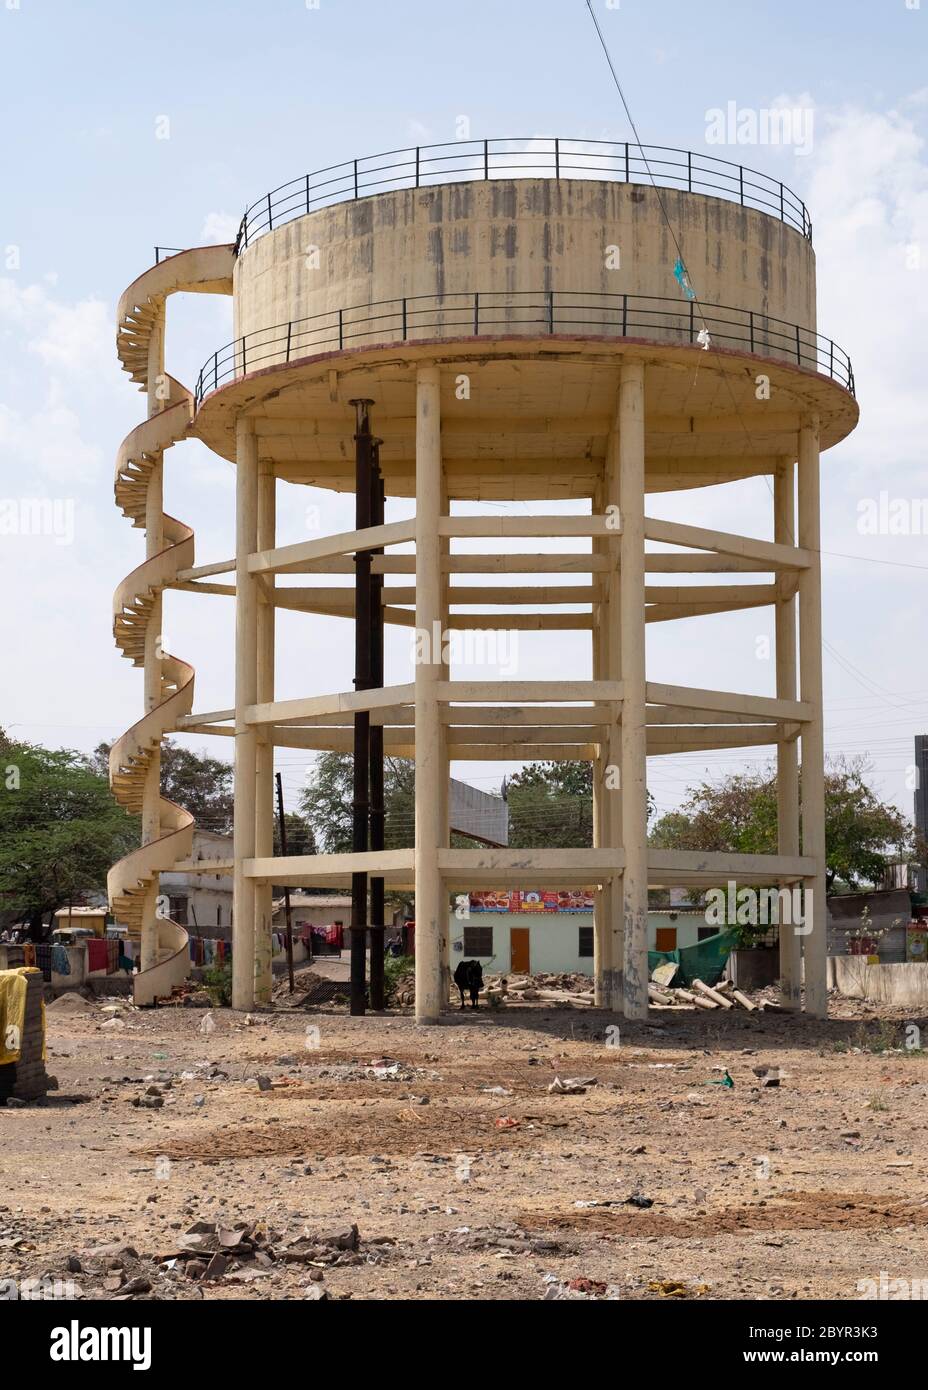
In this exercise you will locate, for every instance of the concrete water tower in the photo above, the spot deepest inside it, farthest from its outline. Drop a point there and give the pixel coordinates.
(558, 280)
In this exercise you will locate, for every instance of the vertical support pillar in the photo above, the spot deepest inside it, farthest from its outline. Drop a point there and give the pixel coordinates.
(815, 941)
(784, 510)
(154, 544)
(246, 693)
(634, 708)
(444, 813)
(264, 809)
(377, 811)
(431, 909)
(613, 756)
(604, 899)
(364, 455)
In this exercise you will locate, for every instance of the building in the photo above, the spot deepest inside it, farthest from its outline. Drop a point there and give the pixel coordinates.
(202, 901)
(91, 919)
(921, 806)
(493, 321)
(538, 932)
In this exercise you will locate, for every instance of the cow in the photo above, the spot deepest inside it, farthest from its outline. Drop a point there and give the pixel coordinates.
(469, 976)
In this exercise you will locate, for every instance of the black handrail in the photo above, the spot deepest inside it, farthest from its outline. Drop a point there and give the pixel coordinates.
(619, 161)
(166, 252)
(541, 313)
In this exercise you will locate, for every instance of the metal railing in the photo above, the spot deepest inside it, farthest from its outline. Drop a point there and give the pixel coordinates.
(577, 313)
(523, 157)
(164, 253)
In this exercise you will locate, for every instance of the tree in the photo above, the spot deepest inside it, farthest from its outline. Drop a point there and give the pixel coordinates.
(300, 838)
(199, 783)
(326, 802)
(60, 829)
(551, 804)
(739, 816)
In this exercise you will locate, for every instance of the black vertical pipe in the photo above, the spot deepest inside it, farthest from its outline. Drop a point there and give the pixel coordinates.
(377, 806)
(364, 453)
(282, 823)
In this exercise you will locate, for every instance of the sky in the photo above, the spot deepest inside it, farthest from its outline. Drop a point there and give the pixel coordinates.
(129, 126)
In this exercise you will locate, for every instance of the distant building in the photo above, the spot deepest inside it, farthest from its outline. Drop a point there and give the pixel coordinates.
(551, 931)
(921, 805)
(202, 902)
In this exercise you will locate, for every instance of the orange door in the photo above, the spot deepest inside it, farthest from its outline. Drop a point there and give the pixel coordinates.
(666, 939)
(518, 950)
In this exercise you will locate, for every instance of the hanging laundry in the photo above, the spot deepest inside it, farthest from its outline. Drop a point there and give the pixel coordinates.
(96, 954)
(43, 959)
(61, 961)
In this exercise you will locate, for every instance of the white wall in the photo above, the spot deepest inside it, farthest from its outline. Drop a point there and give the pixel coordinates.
(554, 938)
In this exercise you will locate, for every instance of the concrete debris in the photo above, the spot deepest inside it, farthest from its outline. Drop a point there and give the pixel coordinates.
(571, 1085)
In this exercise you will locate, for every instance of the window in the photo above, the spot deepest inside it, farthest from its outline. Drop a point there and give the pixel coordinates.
(219, 915)
(585, 941)
(478, 941)
(178, 910)
(665, 939)
(703, 933)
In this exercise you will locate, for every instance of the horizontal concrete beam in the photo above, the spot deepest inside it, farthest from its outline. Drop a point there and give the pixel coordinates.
(289, 558)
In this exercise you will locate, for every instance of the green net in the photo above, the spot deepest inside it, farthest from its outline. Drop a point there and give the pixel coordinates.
(705, 961)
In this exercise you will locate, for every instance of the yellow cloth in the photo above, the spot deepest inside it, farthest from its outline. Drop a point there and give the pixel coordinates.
(13, 987)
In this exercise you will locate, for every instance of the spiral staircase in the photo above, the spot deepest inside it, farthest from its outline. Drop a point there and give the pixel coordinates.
(131, 880)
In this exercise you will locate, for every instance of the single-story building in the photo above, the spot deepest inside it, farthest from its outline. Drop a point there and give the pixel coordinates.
(72, 919)
(551, 932)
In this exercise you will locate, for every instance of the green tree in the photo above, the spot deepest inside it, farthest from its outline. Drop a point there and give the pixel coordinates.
(551, 806)
(739, 816)
(300, 838)
(60, 829)
(326, 802)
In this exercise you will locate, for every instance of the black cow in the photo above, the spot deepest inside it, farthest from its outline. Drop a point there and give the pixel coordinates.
(469, 976)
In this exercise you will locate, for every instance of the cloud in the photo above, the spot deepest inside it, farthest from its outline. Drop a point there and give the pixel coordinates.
(219, 228)
(76, 338)
(49, 443)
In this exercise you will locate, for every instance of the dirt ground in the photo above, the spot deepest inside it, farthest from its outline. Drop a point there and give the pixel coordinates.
(771, 1192)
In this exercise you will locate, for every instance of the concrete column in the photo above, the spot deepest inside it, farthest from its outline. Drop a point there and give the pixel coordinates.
(246, 693)
(612, 760)
(603, 897)
(784, 518)
(264, 810)
(154, 544)
(431, 907)
(634, 709)
(444, 827)
(815, 942)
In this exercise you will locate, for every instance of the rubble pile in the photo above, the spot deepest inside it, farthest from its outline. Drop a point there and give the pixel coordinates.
(210, 1253)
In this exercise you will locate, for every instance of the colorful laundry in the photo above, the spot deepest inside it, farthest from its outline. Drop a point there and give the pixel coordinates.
(96, 954)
